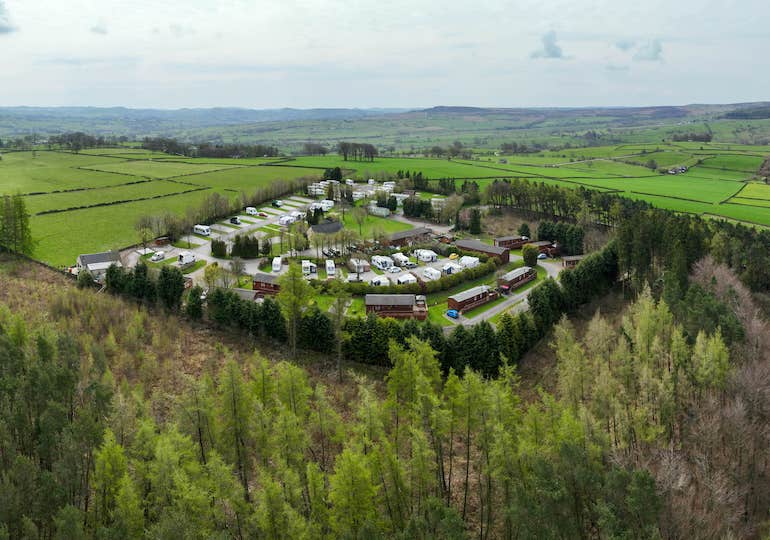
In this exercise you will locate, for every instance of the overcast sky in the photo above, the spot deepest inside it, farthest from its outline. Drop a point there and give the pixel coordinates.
(390, 53)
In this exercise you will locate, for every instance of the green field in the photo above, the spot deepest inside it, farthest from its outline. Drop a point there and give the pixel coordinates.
(715, 185)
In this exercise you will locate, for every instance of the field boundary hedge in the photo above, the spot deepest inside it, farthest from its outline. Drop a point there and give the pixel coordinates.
(35, 193)
(112, 203)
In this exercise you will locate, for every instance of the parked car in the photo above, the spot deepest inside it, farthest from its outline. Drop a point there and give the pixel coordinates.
(410, 265)
(394, 269)
(542, 256)
(262, 214)
(235, 220)
(453, 313)
(278, 203)
(354, 278)
(158, 256)
(453, 256)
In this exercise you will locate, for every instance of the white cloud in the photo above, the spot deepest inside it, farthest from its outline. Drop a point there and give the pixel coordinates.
(652, 51)
(6, 26)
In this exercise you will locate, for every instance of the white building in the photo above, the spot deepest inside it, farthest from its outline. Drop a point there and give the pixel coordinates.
(431, 274)
(406, 279)
(97, 264)
(466, 261)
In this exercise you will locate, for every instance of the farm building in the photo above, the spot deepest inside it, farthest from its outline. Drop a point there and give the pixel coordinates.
(511, 242)
(399, 259)
(379, 281)
(571, 261)
(431, 274)
(265, 284)
(425, 255)
(359, 265)
(466, 261)
(471, 298)
(412, 236)
(383, 262)
(544, 246)
(97, 264)
(399, 306)
(406, 279)
(451, 268)
(480, 247)
(516, 278)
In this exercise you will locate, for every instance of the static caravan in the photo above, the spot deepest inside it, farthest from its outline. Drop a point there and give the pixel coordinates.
(431, 274)
(406, 279)
(277, 263)
(382, 262)
(379, 281)
(331, 268)
(516, 278)
(186, 258)
(466, 261)
(205, 230)
(426, 255)
(308, 267)
(400, 259)
(451, 268)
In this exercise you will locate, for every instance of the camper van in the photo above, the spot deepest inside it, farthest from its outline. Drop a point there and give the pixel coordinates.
(250, 210)
(186, 258)
(308, 268)
(331, 268)
(277, 262)
(205, 230)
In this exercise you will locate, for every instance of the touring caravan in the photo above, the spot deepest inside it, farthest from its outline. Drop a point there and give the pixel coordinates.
(186, 258)
(204, 230)
(250, 210)
(277, 263)
(431, 274)
(331, 268)
(406, 279)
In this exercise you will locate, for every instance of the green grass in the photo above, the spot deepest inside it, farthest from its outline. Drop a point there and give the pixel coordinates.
(374, 224)
(485, 307)
(156, 169)
(324, 302)
(197, 266)
(496, 318)
(357, 307)
(185, 245)
(247, 179)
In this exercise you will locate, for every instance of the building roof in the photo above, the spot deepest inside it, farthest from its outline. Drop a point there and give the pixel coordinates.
(411, 233)
(470, 293)
(513, 274)
(540, 243)
(245, 294)
(100, 258)
(507, 238)
(390, 299)
(266, 278)
(475, 245)
(573, 257)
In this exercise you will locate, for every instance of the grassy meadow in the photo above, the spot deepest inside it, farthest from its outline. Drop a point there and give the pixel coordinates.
(721, 181)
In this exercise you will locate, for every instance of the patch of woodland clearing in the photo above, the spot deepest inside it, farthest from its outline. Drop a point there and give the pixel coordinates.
(160, 351)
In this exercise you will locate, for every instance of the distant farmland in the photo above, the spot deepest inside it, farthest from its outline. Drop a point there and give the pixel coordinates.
(721, 181)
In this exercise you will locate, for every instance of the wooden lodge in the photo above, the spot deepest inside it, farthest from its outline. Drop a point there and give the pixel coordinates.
(502, 253)
(398, 306)
(511, 242)
(516, 278)
(571, 261)
(471, 298)
(265, 284)
(544, 246)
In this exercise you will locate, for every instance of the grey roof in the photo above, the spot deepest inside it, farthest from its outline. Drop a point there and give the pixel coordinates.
(470, 293)
(96, 258)
(513, 274)
(411, 233)
(475, 245)
(389, 300)
(245, 294)
(327, 227)
(541, 243)
(266, 278)
(506, 238)
(573, 257)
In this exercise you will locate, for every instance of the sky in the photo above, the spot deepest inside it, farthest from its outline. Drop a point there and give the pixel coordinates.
(396, 53)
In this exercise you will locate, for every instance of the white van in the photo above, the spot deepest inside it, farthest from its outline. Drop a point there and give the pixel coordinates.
(250, 210)
(277, 262)
(186, 258)
(205, 230)
(308, 268)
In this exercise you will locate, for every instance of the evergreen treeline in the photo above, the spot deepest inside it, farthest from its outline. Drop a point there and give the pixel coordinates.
(15, 232)
(568, 236)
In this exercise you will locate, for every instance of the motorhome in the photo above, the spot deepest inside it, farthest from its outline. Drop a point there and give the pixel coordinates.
(204, 230)
(186, 258)
(331, 268)
(308, 267)
(250, 210)
(277, 263)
